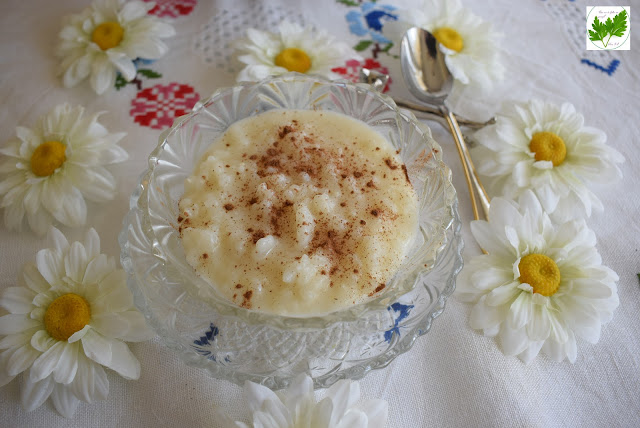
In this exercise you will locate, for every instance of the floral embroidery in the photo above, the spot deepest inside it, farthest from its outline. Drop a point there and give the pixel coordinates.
(172, 8)
(121, 82)
(351, 70)
(158, 106)
(370, 19)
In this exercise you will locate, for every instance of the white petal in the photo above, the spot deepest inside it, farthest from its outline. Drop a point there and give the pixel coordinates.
(110, 325)
(343, 394)
(51, 266)
(503, 294)
(279, 413)
(138, 330)
(123, 64)
(513, 341)
(353, 419)
(115, 295)
(97, 347)
(5, 378)
(103, 75)
(321, 413)
(77, 71)
(520, 312)
(33, 394)
(42, 341)
(299, 391)
(16, 323)
(64, 400)
(17, 300)
(91, 382)
(256, 394)
(59, 241)
(47, 362)
(484, 316)
(21, 360)
(79, 334)
(92, 244)
(97, 269)
(531, 352)
(75, 262)
(34, 279)
(40, 221)
(13, 340)
(539, 326)
(591, 289)
(377, 412)
(67, 365)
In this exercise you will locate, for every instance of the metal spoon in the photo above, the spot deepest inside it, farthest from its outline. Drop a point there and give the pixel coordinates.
(379, 80)
(429, 80)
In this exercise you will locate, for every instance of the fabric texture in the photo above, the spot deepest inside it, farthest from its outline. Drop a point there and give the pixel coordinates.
(453, 376)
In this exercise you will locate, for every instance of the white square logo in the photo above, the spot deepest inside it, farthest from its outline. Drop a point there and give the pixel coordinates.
(608, 28)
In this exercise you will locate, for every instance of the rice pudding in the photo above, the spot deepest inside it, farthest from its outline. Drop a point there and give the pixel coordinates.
(298, 212)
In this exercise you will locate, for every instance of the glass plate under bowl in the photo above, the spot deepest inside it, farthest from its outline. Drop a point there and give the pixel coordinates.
(239, 344)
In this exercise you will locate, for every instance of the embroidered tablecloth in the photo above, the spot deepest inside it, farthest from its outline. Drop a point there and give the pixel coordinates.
(453, 376)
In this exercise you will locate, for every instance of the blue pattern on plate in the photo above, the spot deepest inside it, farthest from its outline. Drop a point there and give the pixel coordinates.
(207, 340)
(403, 312)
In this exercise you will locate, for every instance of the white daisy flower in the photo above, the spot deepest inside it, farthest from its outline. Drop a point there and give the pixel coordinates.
(541, 285)
(296, 407)
(70, 318)
(545, 148)
(292, 48)
(105, 39)
(471, 47)
(49, 170)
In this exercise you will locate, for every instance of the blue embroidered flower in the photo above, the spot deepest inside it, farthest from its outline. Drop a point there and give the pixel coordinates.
(370, 19)
(403, 312)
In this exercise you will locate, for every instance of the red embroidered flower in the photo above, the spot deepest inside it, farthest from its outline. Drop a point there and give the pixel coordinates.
(351, 70)
(172, 8)
(158, 106)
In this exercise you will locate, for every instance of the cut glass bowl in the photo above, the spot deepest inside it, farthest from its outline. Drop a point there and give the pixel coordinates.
(239, 344)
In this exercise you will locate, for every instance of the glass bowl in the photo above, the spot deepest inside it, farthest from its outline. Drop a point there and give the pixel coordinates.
(240, 344)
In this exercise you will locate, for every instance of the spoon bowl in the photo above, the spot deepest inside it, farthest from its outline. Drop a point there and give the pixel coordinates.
(422, 60)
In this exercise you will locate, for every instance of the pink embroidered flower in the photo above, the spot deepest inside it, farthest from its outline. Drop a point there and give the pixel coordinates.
(158, 106)
(172, 8)
(351, 70)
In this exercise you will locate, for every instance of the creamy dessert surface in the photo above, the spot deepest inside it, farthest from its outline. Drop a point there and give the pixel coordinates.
(298, 212)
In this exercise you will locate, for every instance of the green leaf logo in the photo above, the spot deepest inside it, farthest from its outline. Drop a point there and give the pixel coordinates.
(615, 27)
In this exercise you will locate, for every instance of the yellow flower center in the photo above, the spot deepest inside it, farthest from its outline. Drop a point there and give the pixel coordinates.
(48, 157)
(66, 315)
(541, 273)
(108, 35)
(450, 38)
(547, 146)
(294, 59)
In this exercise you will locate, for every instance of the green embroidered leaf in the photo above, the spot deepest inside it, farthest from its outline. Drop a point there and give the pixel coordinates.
(387, 48)
(363, 45)
(619, 24)
(149, 73)
(120, 82)
(348, 2)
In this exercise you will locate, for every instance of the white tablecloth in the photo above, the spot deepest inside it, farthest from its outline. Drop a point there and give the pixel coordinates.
(453, 376)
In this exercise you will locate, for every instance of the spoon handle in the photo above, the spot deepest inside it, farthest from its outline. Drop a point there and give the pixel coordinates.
(432, 113)
(473, 182)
